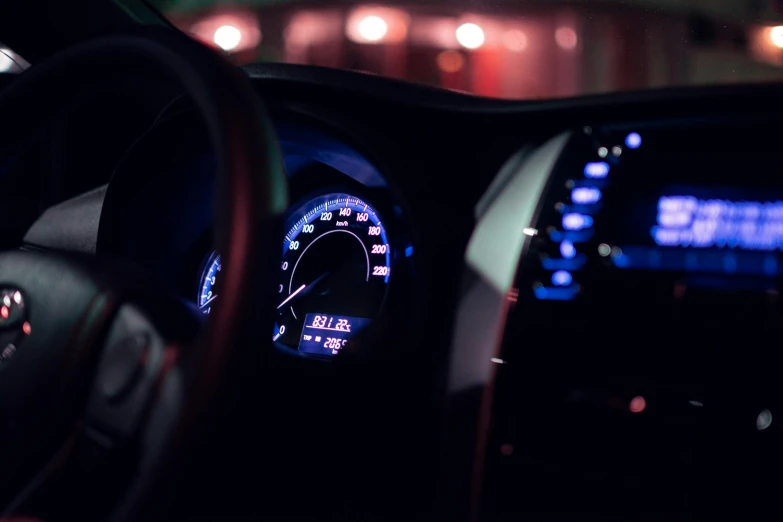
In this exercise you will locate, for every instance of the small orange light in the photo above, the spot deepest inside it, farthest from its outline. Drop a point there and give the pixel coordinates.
(638, 404)
(26, 328)
(4, 312)
(450, 61)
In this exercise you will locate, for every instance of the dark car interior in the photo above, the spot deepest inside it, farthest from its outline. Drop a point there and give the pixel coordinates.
(483, 309)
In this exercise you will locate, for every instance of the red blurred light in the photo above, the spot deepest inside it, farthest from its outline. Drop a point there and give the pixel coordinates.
(638, 404)
(566, 38)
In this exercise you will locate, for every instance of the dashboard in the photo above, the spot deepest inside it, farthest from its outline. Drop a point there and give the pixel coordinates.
(580, 293)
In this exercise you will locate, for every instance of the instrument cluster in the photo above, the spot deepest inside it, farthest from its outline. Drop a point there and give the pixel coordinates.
(340, 254)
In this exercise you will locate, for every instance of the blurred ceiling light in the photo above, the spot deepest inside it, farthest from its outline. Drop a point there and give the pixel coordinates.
(776, 36)
(565, 37)
(515, 40)
(373, 28)
(450, 61)
(227, 37)
(470, 36)
(372, 25)
(230, 32)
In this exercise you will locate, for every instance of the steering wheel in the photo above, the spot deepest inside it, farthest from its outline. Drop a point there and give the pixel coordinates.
(98, 372)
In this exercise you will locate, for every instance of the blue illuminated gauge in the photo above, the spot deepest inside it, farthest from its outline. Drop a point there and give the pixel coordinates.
(333, 275)
(207, 292)
(335, 268)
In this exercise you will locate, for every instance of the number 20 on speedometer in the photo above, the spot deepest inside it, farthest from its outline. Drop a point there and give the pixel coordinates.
(336, 261)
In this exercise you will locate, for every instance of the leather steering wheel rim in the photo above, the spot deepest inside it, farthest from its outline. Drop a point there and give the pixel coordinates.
(250, 189)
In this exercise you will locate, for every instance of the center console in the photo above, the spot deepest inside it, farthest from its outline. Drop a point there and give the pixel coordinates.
(639, 372)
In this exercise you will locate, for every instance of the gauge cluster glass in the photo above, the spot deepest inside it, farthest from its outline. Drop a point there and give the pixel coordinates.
(334, 272)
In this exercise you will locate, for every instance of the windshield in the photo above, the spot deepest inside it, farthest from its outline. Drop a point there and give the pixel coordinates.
(505, 49)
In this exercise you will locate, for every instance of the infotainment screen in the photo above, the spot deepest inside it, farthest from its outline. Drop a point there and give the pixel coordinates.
(696, 200)
(685, 220)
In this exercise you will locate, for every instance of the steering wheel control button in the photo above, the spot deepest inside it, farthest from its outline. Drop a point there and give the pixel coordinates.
(14, 326)
(123, 365)
(11, 308)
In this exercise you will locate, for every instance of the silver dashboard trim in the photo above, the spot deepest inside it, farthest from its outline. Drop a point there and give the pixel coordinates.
(500, 239)
(494, 250)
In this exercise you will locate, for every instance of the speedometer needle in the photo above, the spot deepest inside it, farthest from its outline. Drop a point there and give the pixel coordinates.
(299, 290)
(291, 296)
(208, 301)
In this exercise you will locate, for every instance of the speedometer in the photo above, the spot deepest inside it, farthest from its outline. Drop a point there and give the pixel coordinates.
(333, 275)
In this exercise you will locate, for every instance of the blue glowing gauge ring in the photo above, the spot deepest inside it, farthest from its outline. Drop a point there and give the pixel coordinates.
(207, 292)
(336, 260)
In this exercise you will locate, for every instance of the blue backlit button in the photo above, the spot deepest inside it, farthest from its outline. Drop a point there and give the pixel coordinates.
(585, 195)
(596, 170)
(633, 140)
(574, 221)
(567, 249)
(562, 278)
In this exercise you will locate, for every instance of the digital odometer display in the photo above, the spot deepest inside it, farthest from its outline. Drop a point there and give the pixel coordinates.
(336, 263)
(328, 334)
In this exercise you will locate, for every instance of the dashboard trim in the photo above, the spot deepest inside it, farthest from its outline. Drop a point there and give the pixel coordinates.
(499, 240)
(682, 98)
